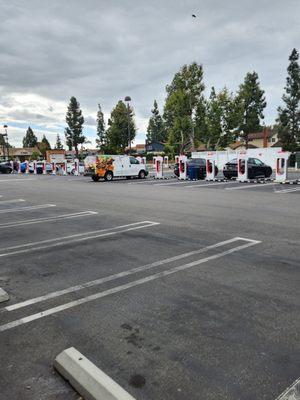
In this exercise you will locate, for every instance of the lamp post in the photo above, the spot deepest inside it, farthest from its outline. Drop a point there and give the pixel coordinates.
(127, 101)
(7, 146)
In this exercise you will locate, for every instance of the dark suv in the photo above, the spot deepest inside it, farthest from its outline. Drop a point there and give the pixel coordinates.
(198, 163)
(256, 169)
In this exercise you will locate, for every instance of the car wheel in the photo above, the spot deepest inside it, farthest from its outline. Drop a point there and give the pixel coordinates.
(95, 178)
(142, 174)
(109, 176)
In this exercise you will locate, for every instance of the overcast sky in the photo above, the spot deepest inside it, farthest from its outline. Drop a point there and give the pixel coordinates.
(100, 51)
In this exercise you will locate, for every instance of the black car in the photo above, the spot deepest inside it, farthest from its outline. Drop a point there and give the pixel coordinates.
(199, 164)
(256, 169)
(5, 168)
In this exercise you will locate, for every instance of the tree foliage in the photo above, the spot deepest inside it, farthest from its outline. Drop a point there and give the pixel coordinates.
(289, 115)
(58, 144)
(183, 97)
(117, 138)
(101, 133)
(156, 128)
(30, 140)
(44, 145)
(75, 121)
(251, 103)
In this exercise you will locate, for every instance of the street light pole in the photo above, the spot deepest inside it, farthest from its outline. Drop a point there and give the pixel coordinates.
(7, 145)
(128, 100)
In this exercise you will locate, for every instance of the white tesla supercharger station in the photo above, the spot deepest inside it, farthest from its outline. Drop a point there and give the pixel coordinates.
(65, 168)
(166, 161)
(210, 162)
(76, 167)
(281, 169)
(183, 167)
(34, 167)
(159, 167)
(242, 167)
(44, 168)
(53, 168)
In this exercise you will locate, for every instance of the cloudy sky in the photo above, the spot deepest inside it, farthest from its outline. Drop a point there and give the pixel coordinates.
(100, 51)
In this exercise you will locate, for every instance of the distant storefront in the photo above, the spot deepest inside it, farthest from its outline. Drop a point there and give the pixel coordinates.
(21, 154)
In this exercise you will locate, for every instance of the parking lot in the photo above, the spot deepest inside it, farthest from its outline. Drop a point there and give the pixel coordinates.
(176, 290)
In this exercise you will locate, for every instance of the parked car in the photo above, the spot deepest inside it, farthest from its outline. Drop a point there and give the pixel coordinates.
(195, 163)
(256, 169)
(111, 166)
(5, 168)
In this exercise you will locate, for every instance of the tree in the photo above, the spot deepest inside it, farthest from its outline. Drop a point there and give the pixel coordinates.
(58, 144)
(183, 97)
(251, 102)
(117, 133)
(101, 140)
(222, 119)
(29, 140)
(75, 120)
(44, 145)
(289, 115)
(156, 130)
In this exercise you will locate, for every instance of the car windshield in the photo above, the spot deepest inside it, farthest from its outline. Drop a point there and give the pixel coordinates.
(233, 161)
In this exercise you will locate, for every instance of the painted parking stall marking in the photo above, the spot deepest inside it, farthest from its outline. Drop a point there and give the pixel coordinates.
(262, 185)
(11, 201)
(120, 288)
(27, 208)
(79, 237)
(120, 274)
(48, 219)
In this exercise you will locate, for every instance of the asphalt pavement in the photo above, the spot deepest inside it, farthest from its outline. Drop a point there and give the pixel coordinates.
(176, 290)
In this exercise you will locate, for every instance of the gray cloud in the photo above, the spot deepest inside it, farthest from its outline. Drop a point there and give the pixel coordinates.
(101, 51)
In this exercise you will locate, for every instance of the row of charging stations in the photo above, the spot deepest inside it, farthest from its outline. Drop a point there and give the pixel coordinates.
(281, 170)
(63, 167)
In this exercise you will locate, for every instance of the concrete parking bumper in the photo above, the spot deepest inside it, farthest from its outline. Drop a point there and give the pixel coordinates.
(88, 380)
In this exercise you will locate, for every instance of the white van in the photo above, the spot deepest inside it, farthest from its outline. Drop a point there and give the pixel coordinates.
(115, 166)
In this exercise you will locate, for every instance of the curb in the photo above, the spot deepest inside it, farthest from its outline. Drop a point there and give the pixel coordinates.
(87, 379)
(3, 295)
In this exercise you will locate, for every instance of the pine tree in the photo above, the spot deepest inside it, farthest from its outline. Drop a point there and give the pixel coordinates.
(252, 103)
(156, 130)
(183, 97)
(44, 145)
(58, 144)
(46, 142)
(289, 115)
(117, 133)
(101, 140)
(75, 120)
(222, 119)
(30, 140)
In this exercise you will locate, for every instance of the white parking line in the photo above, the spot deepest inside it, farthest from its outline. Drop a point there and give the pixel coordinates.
(211, 184)
(18, 180)
(79, 237)
(28, 208)
(292, 392)
(46, 219)
(121, 288)
(121, 274)
(250, 186)
(287, 190)
(11, 201)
